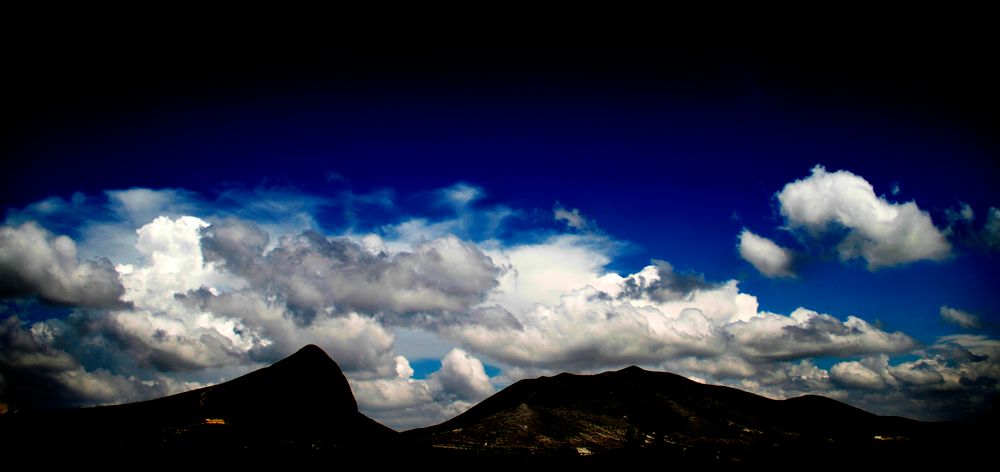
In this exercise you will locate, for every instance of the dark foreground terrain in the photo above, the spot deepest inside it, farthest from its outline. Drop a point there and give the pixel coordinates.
(302, 408)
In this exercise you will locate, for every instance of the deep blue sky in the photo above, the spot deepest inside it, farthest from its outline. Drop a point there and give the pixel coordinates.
(671, 149)
(670, 145)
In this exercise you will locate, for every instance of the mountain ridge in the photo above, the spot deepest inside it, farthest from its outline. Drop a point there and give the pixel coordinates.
(304, 404)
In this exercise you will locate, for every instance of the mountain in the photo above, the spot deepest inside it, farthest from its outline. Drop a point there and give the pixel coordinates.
(302, 407)
(302, 402)
(642, 415)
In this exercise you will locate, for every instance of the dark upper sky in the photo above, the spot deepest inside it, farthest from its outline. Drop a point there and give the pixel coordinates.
(669, 144)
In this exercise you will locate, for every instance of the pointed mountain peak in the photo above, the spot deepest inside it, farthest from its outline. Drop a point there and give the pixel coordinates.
(311, 354)
(632, 369)
(309, 372)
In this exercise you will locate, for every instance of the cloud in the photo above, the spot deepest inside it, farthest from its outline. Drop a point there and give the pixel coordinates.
(991, 230)
(251, 279)
(543, 272)
(767, 257)
(404, 402)
(37, 374)
(315, 274)
(655, 316)
(960, 317)
(461, 194)
(663, 284)
(142, 205)
(806, 333)
(964, 213)
(34, 262)
(573, 218)
(961, 228)
(882, 233)
(859, 374)
(463, 376)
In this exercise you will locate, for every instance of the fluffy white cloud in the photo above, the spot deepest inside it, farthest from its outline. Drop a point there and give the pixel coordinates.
(210, 298)
(864, 374)
(960, 317)
(188, 315)
(464, 376)
(404, 402)
(541, 273)
(767, 257)
(881, 232)
(34, 262)
(650, 317)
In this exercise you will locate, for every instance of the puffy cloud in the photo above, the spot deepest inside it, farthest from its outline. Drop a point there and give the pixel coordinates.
(360, 344)
(314, 274)
(768, 258)
(212, 297)
(653, 317)
(37, 374)
(541, 273)
(34, 262)
(463, 376)
(404, 402)
(881, 232)
(863, 375)
(237, 243)
(806, 333)
(659, 282)
(960, 317)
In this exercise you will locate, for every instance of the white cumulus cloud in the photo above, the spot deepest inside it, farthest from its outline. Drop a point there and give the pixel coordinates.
(882, 233)
(34, 262)
(768, 258)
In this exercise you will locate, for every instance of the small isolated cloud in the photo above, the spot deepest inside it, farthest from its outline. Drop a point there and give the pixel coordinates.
(573, 218)
(882, 233)
(461, 194)
(960, 317)
(768, 258)
(34, 262)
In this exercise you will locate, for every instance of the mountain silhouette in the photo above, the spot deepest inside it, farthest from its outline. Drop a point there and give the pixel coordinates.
(303, 407)
(301, 402)
(642, 415)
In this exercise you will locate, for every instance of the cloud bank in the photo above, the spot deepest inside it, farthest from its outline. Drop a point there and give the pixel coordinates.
(238, 283)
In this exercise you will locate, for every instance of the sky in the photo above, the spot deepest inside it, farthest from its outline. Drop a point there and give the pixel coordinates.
(446, 218)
